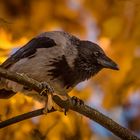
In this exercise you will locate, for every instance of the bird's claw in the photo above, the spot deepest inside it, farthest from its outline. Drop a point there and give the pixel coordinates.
(65, 111)
(76, 101)
(46, 88)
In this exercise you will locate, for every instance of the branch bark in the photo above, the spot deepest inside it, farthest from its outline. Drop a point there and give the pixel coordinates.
(85, 110)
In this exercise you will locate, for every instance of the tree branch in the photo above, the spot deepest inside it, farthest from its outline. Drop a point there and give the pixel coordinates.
(98, 117)
(21, 117)
(85, 110)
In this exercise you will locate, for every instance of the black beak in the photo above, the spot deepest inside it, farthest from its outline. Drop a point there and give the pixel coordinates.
(106, 62)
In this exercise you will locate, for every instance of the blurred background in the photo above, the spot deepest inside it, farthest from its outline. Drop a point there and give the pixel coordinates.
(115, 26)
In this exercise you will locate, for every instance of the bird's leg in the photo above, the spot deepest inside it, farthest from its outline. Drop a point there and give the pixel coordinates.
(48, 92)
(49, 103)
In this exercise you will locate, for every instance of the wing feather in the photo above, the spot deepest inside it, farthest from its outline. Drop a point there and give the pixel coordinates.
(28, 50)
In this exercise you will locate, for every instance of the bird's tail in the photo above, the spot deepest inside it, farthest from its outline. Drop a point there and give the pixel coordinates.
(5, 94)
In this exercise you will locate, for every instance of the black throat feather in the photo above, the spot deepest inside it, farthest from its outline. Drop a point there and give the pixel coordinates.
(70, 77)
(62, 71)
(85, 68)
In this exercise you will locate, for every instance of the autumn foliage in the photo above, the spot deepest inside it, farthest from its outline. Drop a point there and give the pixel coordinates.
(114, 25)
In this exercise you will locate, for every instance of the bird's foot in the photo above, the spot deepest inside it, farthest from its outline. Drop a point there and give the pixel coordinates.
(49, 104)
(47, 89)
(76, 101)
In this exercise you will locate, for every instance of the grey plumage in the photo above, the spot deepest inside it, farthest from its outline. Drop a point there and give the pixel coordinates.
(58, 58)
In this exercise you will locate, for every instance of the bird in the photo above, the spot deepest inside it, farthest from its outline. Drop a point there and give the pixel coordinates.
(57, 59)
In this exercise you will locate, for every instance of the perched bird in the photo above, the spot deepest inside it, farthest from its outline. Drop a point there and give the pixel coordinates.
(57, 58)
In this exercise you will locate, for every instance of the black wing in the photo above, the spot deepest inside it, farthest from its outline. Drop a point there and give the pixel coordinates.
(29, 49)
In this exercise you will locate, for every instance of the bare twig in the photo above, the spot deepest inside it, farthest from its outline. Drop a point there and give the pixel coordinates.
(85, 110)
(22, 117)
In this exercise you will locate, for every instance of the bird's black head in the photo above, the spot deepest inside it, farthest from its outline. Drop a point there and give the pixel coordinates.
(91, 59)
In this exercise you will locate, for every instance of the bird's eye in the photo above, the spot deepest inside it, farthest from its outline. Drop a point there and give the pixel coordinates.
(96, 53)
